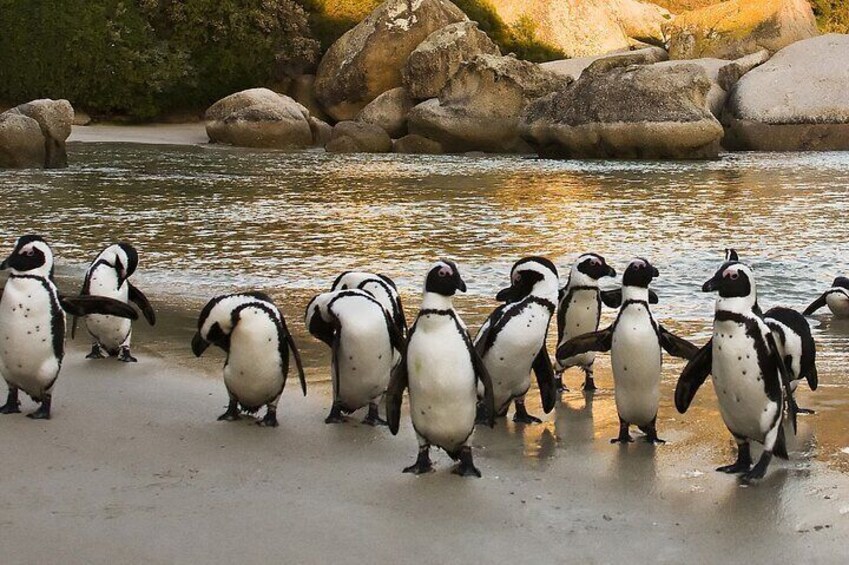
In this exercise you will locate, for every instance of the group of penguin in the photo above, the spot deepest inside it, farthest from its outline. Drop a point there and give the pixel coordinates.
(454, 381)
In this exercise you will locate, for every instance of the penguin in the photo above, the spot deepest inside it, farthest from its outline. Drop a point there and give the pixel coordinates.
(32, 324)
(441, 368)
(579, 312)
(381, 287)
(108, 275)
(363, 341)
(836, 298)
(796, 346)
(751, 381)
(635, 341)
(512, 341)
(253, 333)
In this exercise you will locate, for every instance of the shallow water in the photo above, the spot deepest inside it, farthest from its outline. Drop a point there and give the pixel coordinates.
(209, 219)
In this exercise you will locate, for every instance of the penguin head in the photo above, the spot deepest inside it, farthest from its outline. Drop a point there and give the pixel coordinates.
(639, 273)
(589, 268)
(841, 282)
(122, 257)
(316, 317)
(215, 323)
(731, 255)
(444, 279)
(32, 256)
(530, 275)
(732, 280)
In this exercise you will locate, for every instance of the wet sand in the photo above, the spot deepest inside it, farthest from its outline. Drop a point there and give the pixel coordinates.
(160, 134)
(135, 468)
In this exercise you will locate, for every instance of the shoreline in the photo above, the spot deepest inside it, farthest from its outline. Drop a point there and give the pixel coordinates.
(189, 133)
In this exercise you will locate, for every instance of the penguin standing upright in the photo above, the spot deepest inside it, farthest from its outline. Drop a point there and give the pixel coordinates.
(635, 340)
(579, 312)
(250, 328)
(363, 341)
(836, 298)
(512, 340)
(381, 287)
(751, 381)
(108, 275)
(32, 324)
(441, 369)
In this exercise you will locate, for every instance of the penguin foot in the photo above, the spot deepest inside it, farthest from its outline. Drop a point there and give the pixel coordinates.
(96, 353)
(589, 385)
(43, 411)
(11, 408)
(759, 470)
(125, 357)
(558, 384)
(231, 415)
(373, 417)
(269, 421)
(422, 465)
(525, 419)
(481, 416)
(801, 410)
(466, 467)
(736, 467)
(335, 416)
(623, 439)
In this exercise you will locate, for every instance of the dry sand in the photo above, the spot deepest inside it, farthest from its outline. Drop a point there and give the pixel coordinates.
(134, 468)
(162, 134)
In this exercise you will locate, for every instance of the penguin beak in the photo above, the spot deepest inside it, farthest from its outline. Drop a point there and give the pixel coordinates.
(461, 284)
(654, 272)
(199, 345)
(122, 272)
(712, 285)
(505, 294)
(4, 265)
(610, 272)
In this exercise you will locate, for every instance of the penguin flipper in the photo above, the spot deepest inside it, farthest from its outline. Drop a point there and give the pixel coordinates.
(296, 355)
(593, 341)
(612, 298)
(816, 304)
(812, 377)
(84, 305)
(483, 376)
(785, 376)
(398, 381)
(676, 346)
(545, 379)
(396, 338)
(138, 297)
(693, 376)
(319, 328)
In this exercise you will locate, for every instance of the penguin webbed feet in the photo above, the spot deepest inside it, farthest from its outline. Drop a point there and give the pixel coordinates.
(742, 464)
(624, 437)
(42, 412)
(558, 383)
(422, 465)
(481, 414)
(96, 352)
(521, 415)
(335, 416)
(589, 381)
(759, 470)
(651, 433)
(232, 414)
(373, 417)
(466, 466)
(269, 420)
(13, 405)
(801, 410)
(124, 355)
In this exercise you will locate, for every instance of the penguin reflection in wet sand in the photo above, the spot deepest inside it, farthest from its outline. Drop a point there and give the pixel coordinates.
(751, 381)
(108, 276)
(836, 298)
(511, 342)
(634, 340)
(363, 341)
(579, 311)
(32, 324)
(250, 328)
(441, 369)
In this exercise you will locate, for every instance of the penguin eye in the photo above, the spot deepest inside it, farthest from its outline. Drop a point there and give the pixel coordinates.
(443, 272)
(734, 276)
(28, 253)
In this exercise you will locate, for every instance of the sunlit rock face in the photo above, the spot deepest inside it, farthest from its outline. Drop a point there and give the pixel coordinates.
(736, 28)
(260, 117)
(367, 60)
(796, 101)
(34, 134)
(389, 111)
(583, 28)
(627, 112)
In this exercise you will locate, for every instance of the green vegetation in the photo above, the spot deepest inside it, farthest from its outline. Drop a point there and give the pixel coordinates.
(832, 15)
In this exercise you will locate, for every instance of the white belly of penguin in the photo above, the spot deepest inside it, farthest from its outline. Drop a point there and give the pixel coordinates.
(253, 373)
(581, 318)
(110, 331)
(27, 358)
(838, 303)
(636, 359)
(738, 382)
(442, 384)
(510, 358)
(365, 363)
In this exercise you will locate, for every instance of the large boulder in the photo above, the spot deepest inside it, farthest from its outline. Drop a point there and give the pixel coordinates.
(21, 142)
(583, 28)
(438, 57)
(55, 118)
(416, 144)
(627, 112)
(367, 60)
(796, 101)
(260, 117)
(357, 137)
(302, 91)
(389, 111)
(573, 68)
(479, 108)
(735, 28)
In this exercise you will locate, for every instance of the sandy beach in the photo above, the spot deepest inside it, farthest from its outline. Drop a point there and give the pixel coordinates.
(192, 133)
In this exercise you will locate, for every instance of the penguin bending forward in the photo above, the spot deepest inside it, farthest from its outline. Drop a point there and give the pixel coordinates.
(512, 341)
(579, 311)
(836, 298)
(253, 333)
(635, 340)
(108, 275)
(32, 324)
(796, 346)
(751, 381)
(441, 369)
(381, 287)
(363, 341)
